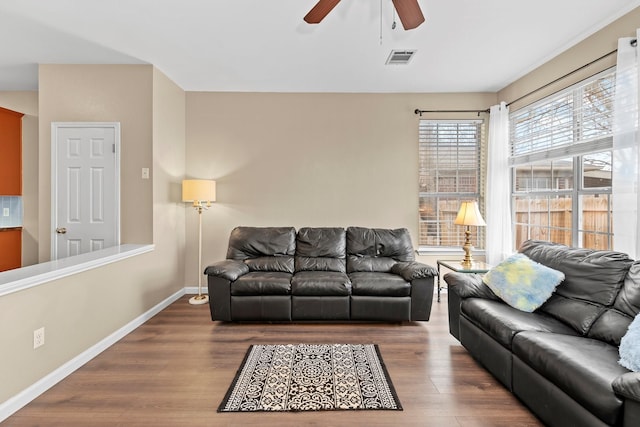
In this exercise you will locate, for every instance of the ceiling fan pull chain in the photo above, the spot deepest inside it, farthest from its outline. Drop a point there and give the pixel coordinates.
(393, 24)
(380, 22)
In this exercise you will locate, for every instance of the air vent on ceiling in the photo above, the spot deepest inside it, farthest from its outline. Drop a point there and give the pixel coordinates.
(400, 57)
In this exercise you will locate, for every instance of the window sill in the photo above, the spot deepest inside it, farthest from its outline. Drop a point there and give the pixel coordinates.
(27, 277)
(447, 251)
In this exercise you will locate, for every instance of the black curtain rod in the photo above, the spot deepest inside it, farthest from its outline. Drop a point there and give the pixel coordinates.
(634, 43)
(418, 111)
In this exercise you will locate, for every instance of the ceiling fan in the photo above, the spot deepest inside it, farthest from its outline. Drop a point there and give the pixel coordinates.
(408, 11)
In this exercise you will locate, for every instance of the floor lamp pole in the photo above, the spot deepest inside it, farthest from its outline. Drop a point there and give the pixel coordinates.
(200, 298)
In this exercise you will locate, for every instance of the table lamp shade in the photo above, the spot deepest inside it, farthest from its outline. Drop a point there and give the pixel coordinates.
(198, 190)
(469, 214)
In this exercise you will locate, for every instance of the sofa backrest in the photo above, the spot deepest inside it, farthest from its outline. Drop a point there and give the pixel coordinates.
(377, 249)
(614, 321)
(593, 280)
(321, 249)
(263, 248)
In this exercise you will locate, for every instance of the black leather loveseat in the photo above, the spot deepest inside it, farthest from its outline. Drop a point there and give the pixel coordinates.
(562, 359)
(278, 274)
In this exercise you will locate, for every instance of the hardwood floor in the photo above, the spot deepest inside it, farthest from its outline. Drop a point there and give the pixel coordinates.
(175, 369)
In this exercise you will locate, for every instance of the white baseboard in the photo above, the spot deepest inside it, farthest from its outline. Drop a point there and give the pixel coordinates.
(15, 403)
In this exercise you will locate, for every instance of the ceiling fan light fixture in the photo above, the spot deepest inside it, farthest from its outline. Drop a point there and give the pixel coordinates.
(400, 57)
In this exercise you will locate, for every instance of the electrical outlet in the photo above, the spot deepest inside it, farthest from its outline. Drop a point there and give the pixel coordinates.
(5, 212)
(38, 338)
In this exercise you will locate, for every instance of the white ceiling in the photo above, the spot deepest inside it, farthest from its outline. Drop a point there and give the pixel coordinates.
(265, 46)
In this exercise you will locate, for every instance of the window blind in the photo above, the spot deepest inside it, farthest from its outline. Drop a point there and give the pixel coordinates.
(574, 121)
(449, 172)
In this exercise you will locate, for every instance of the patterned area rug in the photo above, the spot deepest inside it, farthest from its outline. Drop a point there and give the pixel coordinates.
(311, 377)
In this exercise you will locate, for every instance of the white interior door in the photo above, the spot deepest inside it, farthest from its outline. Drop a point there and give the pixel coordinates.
(86, 187)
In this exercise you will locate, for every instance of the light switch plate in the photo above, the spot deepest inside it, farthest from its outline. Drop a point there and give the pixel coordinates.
(5, 212)
(145, 173)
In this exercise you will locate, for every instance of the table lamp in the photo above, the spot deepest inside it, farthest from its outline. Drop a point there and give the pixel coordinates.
(469, 215)
(201, 192)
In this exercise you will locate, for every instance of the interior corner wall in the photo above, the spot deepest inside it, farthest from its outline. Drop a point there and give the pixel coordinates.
(101, 93)
(26, 102)
(167, 173)
(307, 159)
(593, 47)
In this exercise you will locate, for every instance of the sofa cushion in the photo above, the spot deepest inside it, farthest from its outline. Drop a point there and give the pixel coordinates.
(590, 275)
(376, 249)
(614, 321)
(522, 283)
(255, 242)
(321, 249)
(379, 284)
(503, 322)
(313, 283)
(592, 281)
(282, 264)
(262, 283)
(630, 347)
(583, 368)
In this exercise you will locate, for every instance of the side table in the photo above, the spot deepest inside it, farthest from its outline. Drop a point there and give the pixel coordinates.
(456, 266)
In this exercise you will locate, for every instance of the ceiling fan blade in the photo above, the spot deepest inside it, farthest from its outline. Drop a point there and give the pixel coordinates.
(320, 10)
(409, 12)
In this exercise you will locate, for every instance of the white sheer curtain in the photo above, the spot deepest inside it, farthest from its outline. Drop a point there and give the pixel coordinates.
(626, 154)
(499, 241)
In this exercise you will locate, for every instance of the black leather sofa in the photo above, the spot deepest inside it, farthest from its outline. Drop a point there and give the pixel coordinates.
(278, 274)
(562, 359)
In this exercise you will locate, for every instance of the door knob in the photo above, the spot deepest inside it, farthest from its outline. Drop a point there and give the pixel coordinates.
(61, 230)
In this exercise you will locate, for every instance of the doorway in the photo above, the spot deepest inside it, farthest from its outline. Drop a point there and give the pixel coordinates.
(85, 194)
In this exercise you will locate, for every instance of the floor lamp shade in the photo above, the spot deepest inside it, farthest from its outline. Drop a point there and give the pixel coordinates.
(198, 190)
(201, 192)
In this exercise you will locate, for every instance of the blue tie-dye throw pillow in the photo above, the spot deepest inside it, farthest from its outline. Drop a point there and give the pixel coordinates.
(630, 347)
(522, 283)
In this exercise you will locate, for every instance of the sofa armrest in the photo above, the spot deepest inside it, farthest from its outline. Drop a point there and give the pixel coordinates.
(413, 270)
(466, 285)
(229, 269)
(628, 386)
(461, 286)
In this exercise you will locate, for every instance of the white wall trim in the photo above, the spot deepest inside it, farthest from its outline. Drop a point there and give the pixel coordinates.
(15, 403)
(27, 277)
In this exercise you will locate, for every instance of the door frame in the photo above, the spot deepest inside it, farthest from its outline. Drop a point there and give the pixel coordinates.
(54, 175)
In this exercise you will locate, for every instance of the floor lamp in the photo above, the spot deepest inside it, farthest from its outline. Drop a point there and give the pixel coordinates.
(468, 215)
(201, 192)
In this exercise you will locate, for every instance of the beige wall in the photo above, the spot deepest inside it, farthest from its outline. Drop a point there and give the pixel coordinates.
(102, 93)
(599, 44)
(81, 310)
(27, 103)
(167, 174)
(307, 160)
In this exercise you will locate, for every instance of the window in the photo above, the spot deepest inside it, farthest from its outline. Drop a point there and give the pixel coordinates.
(561, 164)
(449, 172)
